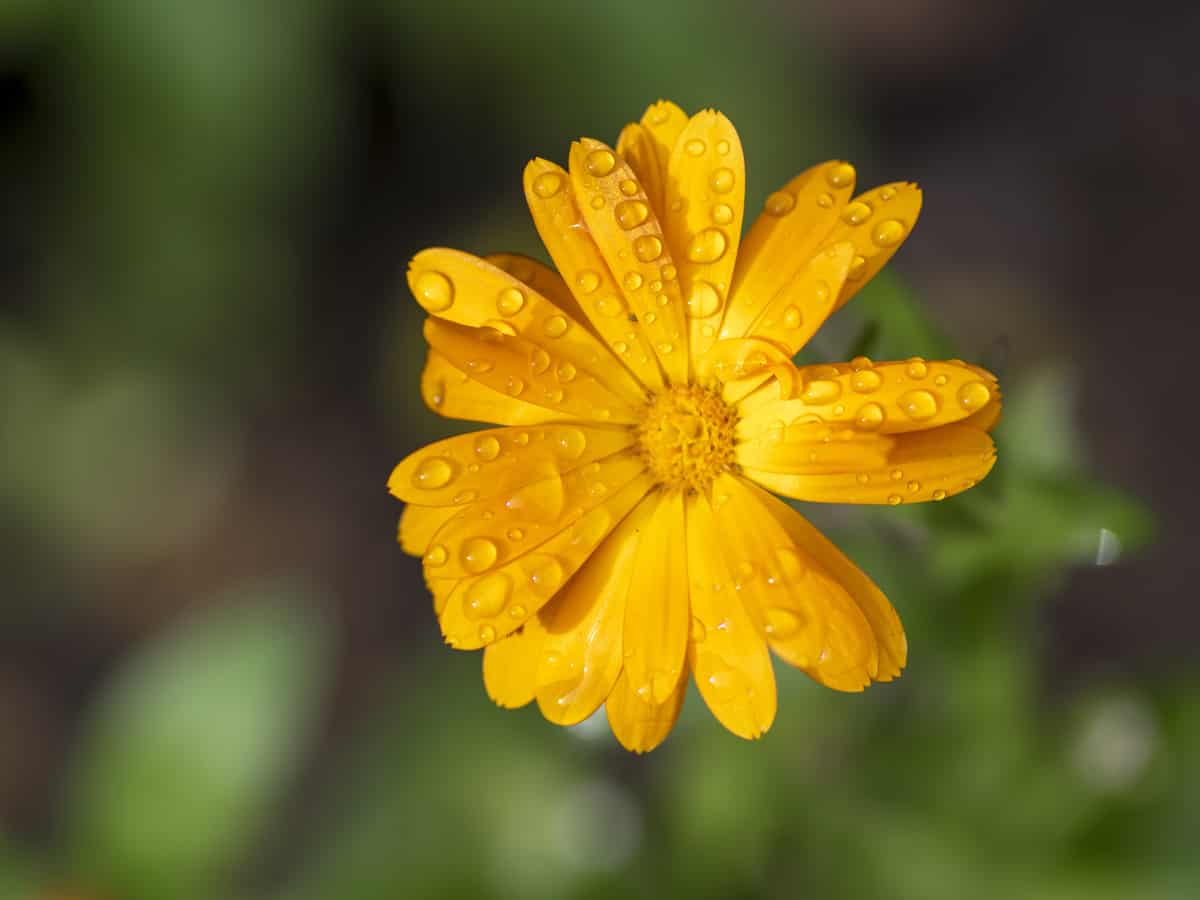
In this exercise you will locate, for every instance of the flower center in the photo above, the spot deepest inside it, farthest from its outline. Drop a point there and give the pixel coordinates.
(686, 436)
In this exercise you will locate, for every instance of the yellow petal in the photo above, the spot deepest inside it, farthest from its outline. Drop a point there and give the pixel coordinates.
(581, 657)
(542, 279)
(441, 589)
(806, 300)
(794, 222)
(484, 295)
(639, 723)
(618, 215)
(809, 619)
(482, 464)
(486, 607)
(921, 466)
(889, 633)
(418, 524)
(705, 201)
(811, 448)
(574, 251)
(656, 619)
(493, 532)
(727, 655)
(877, 223)
(452, 393)
(889, 398)
(529, 371)
(662, 123)
(509, 665)
(638, 148)
(741, 365)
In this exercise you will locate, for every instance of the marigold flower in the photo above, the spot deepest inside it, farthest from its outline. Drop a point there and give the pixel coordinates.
(618, 531)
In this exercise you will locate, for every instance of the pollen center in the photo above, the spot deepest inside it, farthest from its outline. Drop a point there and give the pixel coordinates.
(686, 436)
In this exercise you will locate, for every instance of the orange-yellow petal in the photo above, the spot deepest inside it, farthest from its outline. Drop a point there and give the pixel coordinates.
(638, 148)
(481, 464)
(794, 223)
(510, 665)
(803, 304)
(920, 466)
(484, 608)
(727, 654)
(542, 279)
(452, 393)
(584, 269)
(581, 657)
(662, 123)
(705, 201)
(639, 722)
(418, 525)
(804, 448)
(630, 238)
(528, 370)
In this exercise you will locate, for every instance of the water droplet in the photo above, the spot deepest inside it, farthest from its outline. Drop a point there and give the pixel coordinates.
(633, 281)
(887, 193)
(437, 556)
(539, 360)
(704, 301)
(598, 489)
(723, 147)
(866, 381)
(433, 473)
(821, 391)
(914, 486)
(598, 201)
(792, 317)
(650, 318)
(514, 385)
(857, 213)
(939, 494)
(588, 281)
(695, 147)
(600, 162)
(862, 478)
(722, 180)
(665, 348)
(547, 575)
(486, 597)
(940, 380)
(435, 292)
(895, 499)
(555, 326)
(973, 395)
(621, 347)
(487, 633)
(779, 203)
(746, 573)
(517, 612)
(629, 187)
(478, 554)
(707, 246)
(888, 233)
(565, 372)
(840, 175)
(919, 405)
(722, 214)
(861, 362)
(482, 366)
(631, 213)
(782, 623)
(917, 368)
(547, 185)
(870, 416)
(825, 201)
(510, 302)
(610, 307)
(648, 247)
(487, 447)
(554, 395)
(858, 268)
(668, 272)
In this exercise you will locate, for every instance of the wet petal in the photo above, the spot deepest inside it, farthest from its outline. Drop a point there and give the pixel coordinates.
(509, 665)
(705, 201)
(795, 221)
(804, 303)
(637, 721)
(542, 279)
(528, 370)
(631, 240)
(418, 524)
(452, 393)
(803, 448)
(662, 123)
(584, 269)
(582, 653)
(727, 654)
(638, 148)
(921, 466)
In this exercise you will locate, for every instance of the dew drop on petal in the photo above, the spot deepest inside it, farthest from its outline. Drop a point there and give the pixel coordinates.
(895, 499)
(695, 147)
(668, 272)
(588, 281)
(632, 281)
(487, 596)
(487, 447)
(939, 494)
(888, 233)
(707, 246)
(973, 395)
(857, 213)
(547, 185)
(629, 187)
(866, 381)
(598, 201)
(631, 213)
(565, 372)
(433, 473)
(539, 360)
(792, 317)
(555, 326)
(478, 554)
(547, 575)
(779, 203)
(601, 162)
(571, 443)
(510, 302)
(703, 301)
(610, 307)
(648, 247)
(782, 623)
(437, 556)
(514, 385)
(722, 180)
(917, 369)
(435, 291)
(870, 416)
(825, 201)
(840, 175)
(919, 405)
(914, 486)
(722, 214)
(858, 268)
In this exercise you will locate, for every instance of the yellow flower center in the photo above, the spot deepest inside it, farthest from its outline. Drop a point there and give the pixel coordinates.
(686, 436)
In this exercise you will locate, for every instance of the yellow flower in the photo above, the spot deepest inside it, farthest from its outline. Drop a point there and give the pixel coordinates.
(618, 532)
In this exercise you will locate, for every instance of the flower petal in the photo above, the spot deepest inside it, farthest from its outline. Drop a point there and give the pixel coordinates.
(631, 240)
(575, 253)
(418, 525)
(482, 464)
(638, 148)
(808, 618)
(662, 123)
(877, 223)
(526, 369)
(705, 201)
(484, 295)
(537, 503)
(889, 633)
(637, 721)
(921, 466)
(484, 608)
(727, 654)
(581, 657)
(542, 279)
(803, 448)
(452, 393)
(794, 223)
(656, 621)
(804, 303)
(509, 665)
(889, 398)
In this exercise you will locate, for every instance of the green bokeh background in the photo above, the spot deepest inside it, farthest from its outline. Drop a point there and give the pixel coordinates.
(219, 677)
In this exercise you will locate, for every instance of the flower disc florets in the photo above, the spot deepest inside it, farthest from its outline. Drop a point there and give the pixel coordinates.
(687, 435)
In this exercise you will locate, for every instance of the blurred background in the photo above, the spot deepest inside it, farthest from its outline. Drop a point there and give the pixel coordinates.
(221, 678)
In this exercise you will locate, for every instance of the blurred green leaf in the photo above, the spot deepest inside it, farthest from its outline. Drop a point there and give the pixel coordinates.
(189, 745)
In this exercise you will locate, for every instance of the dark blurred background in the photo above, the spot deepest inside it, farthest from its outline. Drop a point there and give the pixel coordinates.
(219, 676)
